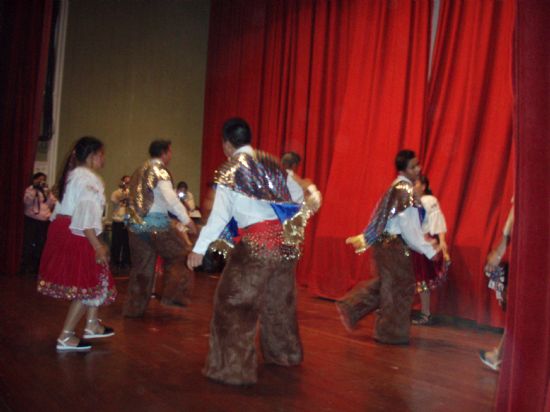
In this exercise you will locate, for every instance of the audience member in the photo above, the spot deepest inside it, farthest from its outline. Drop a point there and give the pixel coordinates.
(38, 203)
(120, 248)
(188, 201)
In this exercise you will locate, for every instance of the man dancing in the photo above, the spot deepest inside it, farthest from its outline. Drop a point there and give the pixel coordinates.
(258, 279)
(392, 230)
(152, 232)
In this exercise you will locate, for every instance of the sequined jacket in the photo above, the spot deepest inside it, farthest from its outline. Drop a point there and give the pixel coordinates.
(143, 182)
(398, 197)
(259, 176)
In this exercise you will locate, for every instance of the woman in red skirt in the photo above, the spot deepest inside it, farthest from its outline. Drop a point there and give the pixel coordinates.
(429, 275)
(75, 263)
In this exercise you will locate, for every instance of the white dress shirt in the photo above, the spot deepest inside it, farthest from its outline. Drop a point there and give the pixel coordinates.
(83, 200)
(296, 191)
(407, 224)
(228, 204)
(166, 200)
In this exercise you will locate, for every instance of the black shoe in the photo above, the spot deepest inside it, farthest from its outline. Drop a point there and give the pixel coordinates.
(423, 320)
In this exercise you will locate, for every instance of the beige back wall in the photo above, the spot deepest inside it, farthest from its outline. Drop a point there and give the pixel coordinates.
(134, 71)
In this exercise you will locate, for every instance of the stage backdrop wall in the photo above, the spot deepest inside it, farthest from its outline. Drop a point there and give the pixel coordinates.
(134, 71)
(345, 84)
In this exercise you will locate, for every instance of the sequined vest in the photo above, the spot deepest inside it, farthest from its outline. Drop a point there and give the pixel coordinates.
(398, 197)
(259, 176)
(143, 182)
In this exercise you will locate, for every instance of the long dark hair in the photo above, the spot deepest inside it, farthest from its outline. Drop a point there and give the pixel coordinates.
(425, 181)
(84, 147)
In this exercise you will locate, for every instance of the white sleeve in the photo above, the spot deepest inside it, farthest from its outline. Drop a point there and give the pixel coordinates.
(221, 214)
(296, 191)
(88, 212)
(435, 221)
(174, 205)
(412, 233)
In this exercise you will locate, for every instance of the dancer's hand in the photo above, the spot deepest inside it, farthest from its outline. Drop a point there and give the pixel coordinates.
(102, 254)
(194, 260)
(314, 199)
(192, 227)
(358, 243)
(493, 261)
(437, 257)
(445, 251)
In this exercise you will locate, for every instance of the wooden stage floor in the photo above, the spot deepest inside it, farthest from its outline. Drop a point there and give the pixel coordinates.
(154, 363)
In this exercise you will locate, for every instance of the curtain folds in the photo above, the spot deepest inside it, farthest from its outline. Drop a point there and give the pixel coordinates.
(382, 113)
(24, 35)
(345, 84)
(467, 146)
(281, 65)
(524, 383)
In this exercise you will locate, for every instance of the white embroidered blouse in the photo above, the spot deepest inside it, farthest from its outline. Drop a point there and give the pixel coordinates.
(434, 222)
(84, 201)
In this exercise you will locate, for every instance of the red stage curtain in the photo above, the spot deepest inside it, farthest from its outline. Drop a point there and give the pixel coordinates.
(24, 35)
(281, 65)
(467, 146)
(284, 66)
(345, 85)
(382, 112)
(525, 374)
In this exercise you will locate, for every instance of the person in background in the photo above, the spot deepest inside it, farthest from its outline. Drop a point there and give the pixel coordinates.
(497, 272)
(75, 263)
(429, 275)
(153, 233)
(188, 201)
(393, 230)
(38, 203)
(120, 248)
(298, 186)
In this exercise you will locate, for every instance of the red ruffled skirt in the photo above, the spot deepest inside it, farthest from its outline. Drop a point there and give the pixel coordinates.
(429, 275)
(68, 269)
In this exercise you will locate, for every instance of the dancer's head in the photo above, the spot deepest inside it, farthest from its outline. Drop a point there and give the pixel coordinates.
(290, 160)
(88, 151)
(161, 149)
(422, 186)
(236, 133)
(407, 164)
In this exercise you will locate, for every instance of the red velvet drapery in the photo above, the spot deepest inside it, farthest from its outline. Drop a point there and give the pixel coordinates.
(467, 145)
(24, 36)
(346, 85)
(282, 65)
(524, 383)
(382, 112)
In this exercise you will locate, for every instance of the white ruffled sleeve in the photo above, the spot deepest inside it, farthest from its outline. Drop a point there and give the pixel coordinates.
(435, 220)
(89, 207)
